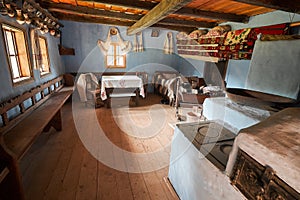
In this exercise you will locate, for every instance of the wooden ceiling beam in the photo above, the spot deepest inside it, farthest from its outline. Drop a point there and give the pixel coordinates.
(212, 15)
(146, 5)
(286, 5)
(67, 8)
(187, 23)
(79, 10)
(134, 4)
(160, 11)
(91, 19)
(96, 19)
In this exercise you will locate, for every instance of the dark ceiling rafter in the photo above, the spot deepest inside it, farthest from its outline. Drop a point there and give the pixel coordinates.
(146, 5)
(115, 22)
(285, 5)
(212, 15)
(69, 9)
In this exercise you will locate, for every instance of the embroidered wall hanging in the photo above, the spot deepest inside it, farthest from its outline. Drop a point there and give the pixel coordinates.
(104, 45)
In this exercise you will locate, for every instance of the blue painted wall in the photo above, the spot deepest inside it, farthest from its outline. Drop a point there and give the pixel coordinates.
(7, 90)
(238, 69)
(83, 38)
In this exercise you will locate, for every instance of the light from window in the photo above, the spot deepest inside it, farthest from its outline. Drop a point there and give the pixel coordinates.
(17, 53)
(44, 64)
(114, 57)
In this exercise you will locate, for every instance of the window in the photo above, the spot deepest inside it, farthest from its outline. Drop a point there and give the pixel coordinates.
(17, 53)
(44, 62)
(114, 57)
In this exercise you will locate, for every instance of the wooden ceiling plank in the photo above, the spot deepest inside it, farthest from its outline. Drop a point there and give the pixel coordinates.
(286, 5)
(90, 11)
(212, 15)
(96, 19)
(187, 23)
(143, 5)
(157, 13)
(86, 11)
(187, 11)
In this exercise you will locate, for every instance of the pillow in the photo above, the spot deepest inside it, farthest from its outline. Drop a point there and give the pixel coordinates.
(197, 33)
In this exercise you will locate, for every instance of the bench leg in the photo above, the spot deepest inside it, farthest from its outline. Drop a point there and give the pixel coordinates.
(11, 186)
(55, 122)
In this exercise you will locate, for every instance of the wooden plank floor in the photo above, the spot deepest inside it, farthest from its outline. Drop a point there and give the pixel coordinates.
(58, 166)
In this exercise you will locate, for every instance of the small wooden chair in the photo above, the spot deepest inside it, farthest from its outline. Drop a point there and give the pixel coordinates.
(93, 93)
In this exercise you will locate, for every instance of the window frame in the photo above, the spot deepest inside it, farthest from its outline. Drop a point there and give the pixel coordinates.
(47, 55)
(22, 78)
(115, 44)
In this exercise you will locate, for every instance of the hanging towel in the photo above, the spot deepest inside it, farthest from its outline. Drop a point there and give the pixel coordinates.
(104, 45)
(168, 46)
(138, 42)
(81, 85)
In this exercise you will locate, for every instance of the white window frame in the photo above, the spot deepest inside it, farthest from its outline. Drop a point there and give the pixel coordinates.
(20, 71)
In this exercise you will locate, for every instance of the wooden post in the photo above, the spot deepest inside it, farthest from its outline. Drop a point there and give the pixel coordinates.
(55, 122)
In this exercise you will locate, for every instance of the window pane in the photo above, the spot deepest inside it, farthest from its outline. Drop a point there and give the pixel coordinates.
(44, 53)
(16, 50)
(120, 60)
(118, 50)
(110, 60)
(14, 66)
(10, 43)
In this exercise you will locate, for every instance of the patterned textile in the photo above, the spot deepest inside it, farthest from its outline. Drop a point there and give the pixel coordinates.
(236, 44)
(182, 36)
(197, 33)
(168, 46)
(237, 36)
(278, 29)
(138, 42)
(35, 46)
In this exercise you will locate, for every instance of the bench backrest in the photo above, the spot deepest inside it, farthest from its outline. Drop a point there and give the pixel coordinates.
(23, 104)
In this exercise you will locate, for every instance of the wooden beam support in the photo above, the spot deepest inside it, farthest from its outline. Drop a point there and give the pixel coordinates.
(157, 13)
(286, 5)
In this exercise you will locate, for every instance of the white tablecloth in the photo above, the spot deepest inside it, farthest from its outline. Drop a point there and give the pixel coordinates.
(126, 81)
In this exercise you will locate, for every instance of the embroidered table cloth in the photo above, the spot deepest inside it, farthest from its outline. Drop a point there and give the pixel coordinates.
(126, 81)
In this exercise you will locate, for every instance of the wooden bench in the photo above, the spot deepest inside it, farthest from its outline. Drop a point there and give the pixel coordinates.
(18, 134)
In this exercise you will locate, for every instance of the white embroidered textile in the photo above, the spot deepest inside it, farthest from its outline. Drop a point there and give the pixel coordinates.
(81, 85)
(126, 46)
(168, 45)
(138, 42)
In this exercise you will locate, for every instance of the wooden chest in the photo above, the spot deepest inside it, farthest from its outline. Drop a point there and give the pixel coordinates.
(264, 163)
(259, 182)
